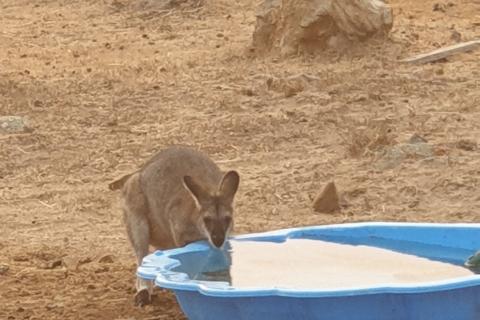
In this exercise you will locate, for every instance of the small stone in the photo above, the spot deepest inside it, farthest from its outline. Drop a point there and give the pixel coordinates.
(328, 201)
(360, 97)
(85, 260)
(416, 139)
(439, 7)
(20, 258)
(440, 150)
(51, 306)
(102, 269)
(71, 263)
(248, 92)
(112, 122)
(37, 104)
(106, 259)
(52, 264)
(14, 124)
(414, 204)
(467, 145)
(456, 36)
(394, 156)
(4, 269)
(288, 86)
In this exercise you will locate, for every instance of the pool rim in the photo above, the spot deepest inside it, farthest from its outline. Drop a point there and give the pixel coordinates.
(216, 289)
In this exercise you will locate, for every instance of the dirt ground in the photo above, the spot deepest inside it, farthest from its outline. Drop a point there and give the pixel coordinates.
(107, 83)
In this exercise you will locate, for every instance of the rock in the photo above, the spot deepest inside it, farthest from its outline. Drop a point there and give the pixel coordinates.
(154, 5)
(106, 259)
(327, 201)
(415, 148)
(4, 269)
(467, 145)
(416, 139)
(14, 124)
(102, 269)
(456, 36)
(249, 92)
(290, 86)
(20, 258)
(53, 305)
(290, 26)
(73, 263)
(52, 264)
(439, 7)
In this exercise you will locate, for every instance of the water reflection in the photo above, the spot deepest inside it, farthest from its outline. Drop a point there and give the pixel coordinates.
(211, 265)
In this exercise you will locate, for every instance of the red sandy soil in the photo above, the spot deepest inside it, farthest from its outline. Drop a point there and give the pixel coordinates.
(105, 84)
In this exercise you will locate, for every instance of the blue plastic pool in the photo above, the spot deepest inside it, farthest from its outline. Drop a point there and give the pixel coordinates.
(457, 299)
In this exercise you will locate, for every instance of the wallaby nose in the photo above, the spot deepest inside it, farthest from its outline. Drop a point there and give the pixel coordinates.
(218, 240)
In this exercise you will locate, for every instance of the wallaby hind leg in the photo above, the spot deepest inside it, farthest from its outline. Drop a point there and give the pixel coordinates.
(135, 212)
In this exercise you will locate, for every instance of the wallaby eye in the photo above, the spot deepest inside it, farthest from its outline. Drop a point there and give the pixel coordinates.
(207, 220)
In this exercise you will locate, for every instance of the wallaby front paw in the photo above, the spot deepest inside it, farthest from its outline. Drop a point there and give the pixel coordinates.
(142, 298)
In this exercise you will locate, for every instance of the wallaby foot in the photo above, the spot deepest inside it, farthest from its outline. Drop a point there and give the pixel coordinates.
(144, 292)
(142, 298)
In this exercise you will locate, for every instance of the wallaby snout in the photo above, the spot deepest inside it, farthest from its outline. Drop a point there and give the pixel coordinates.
(218, 238)
(217, 229)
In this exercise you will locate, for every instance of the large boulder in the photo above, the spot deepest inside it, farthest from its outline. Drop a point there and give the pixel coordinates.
(292, 26)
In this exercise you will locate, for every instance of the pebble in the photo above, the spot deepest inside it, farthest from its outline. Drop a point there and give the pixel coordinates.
(327, 201)
(14, 124)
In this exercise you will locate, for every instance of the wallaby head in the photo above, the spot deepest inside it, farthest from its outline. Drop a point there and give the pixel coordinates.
(215, 209)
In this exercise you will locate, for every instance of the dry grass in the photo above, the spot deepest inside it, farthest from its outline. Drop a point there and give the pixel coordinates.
(106, 84)
(366, 138)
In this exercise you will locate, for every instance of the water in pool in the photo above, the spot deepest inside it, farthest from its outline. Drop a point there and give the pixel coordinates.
(314, 264)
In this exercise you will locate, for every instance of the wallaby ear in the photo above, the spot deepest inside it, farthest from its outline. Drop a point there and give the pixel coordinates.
(229, 185)
(199, 194)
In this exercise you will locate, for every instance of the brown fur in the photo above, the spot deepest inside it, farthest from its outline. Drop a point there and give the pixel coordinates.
(179, 196)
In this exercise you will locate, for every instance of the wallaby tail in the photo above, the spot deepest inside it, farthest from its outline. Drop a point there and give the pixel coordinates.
(118, 184)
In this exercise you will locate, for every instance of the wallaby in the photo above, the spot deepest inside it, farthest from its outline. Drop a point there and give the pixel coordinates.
(179, 196)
